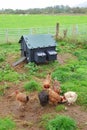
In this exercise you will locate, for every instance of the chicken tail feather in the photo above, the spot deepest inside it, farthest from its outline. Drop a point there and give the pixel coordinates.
(27, 98)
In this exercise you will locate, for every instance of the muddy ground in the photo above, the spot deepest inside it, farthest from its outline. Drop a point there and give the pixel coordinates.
(30, 118)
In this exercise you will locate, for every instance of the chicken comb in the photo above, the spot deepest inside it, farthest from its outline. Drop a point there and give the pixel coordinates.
(16, 91)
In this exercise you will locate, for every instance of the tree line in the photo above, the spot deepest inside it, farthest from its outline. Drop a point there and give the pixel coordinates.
(48, 10)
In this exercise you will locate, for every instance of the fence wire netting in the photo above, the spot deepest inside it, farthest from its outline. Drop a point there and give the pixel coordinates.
(76, 32)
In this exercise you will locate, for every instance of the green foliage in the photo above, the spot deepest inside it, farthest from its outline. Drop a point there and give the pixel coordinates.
(8, 74)
(12, 76)
(73, 77)
(81, 54)
(82, 98)
(33, 68)
(9, 48)
(60, 108)
(1, 90)
(7, 124)
(23, 77)
(32, 86)
(2, 56)
(44, 119)
(61, 122)
(40, 71)
(69, 72)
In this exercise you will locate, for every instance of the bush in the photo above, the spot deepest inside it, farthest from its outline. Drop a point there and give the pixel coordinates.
(61, 122)
(7, 124)
(32, 86)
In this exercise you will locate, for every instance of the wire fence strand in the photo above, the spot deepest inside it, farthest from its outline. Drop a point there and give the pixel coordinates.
(76, 32)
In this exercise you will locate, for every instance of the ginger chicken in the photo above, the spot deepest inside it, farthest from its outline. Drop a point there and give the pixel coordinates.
(70, 97)
(56, 86)
(47, 82)
(22, 98)
(54, 98)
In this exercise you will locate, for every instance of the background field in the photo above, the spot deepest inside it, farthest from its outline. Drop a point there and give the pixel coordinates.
(12, 27)
(27, 21)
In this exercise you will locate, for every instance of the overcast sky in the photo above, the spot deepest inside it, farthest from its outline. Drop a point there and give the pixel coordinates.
(26, 4)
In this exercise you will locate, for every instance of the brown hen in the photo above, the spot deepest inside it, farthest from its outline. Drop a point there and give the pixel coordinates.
(56, 86)
(22, 98)
(47, 82)
(54, 98)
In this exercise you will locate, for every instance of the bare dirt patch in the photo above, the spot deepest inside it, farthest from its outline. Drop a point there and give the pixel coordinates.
(30, 117)
(62, 58)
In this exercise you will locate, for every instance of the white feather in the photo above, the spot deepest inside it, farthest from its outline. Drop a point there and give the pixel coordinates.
(70, 96)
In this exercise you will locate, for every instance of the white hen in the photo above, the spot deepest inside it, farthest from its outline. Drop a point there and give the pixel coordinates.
(70, 96)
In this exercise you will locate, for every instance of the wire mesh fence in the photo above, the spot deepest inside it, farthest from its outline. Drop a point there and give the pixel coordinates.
(78, 32)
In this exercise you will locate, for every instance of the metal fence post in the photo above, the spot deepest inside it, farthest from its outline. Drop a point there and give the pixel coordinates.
(6, 35)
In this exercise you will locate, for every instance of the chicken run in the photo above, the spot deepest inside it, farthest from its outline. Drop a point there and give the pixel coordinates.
(50, 94)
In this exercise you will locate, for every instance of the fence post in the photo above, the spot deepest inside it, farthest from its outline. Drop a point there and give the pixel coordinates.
(57, 30)
(19, 32)
(30, 30)
(64, 33)
(6, 35)
(74, 32)
(48, 30)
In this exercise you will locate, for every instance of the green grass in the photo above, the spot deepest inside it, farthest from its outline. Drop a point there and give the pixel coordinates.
(44, 119)
(7, 124)
(8, 74)
(27, 21)
(60, 108)
(14, 26)
(32, 86)
(61, 122)
(2, 56)
(72, 75)
(32, 68)
(9, 48)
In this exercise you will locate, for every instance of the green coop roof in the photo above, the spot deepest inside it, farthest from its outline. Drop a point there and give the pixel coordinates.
(39, 41)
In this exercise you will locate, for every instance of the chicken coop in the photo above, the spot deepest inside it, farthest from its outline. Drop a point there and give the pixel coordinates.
(38, 48)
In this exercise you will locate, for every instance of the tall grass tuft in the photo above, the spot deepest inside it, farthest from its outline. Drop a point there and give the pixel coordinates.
(7, 124)
(61, 122)
(32, 86)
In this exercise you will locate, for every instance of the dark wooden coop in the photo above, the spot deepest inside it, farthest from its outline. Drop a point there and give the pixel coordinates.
(38, 48)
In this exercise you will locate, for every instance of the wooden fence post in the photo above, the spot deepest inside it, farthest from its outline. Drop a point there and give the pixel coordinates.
(57, 30)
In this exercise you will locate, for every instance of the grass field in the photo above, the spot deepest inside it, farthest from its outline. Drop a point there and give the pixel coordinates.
(27, 21)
